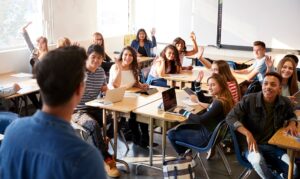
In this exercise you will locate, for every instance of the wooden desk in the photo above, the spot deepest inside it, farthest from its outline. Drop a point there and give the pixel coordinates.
(282, 140)
(130, 102)
(150, 113)
(188, 76)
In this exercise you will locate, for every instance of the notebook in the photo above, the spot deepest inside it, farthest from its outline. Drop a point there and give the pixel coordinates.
(113, 96)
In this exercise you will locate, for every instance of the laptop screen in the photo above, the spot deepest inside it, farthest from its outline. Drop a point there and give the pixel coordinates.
(169, 99)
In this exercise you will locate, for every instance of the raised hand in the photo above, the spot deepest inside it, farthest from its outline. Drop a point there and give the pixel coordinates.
(153, 31)
(193, 36)
(269, 61)
(25, 26)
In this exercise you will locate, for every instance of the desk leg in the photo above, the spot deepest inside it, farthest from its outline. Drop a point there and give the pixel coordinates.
(116, 142)
(151, 141)
(291, 154)
(104, 123)
(164, 133)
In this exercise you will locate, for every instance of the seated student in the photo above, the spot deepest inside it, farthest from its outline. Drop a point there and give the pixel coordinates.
(221, 67)
(257, 117)
(125, 73)
(6, 118)
(107, 61)
(258, 68)
(179, 43)
(95, 84)
(7, 91)
(168, 62)
(143, 45)
(45, 145)
(196, 130)
(63, 42)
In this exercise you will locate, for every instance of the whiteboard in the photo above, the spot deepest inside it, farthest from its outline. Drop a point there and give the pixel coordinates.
(276, 22)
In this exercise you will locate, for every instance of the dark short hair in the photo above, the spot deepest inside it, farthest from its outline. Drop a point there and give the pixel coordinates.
(259, 43)
(95, 48)
(275, 74)
(294, 57)
(59, 74)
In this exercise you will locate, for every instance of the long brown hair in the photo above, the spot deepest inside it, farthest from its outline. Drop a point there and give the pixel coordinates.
(293, 80)
(225, 72)
(175, 66)
(134, 64)
(224, 96)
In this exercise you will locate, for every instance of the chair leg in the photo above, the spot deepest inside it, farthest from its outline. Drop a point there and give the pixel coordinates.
(224, 159)
(124, 139)
(245, 174)
(202, 164)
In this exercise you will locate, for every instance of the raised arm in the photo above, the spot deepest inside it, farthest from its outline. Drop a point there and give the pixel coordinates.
(160, 67)
(195, 46)
(153, 44)
(203, 60)
(27, 38)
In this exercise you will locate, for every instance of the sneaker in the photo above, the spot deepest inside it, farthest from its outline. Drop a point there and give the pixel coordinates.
(111, 168)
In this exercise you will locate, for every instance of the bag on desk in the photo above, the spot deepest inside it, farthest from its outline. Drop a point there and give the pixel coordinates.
(182, 168)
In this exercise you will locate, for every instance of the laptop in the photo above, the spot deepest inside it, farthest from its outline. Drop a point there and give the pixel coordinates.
(112, 96)
(170, 101)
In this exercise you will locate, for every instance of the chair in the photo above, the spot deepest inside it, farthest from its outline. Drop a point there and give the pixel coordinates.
(241, 159)
(214, 142)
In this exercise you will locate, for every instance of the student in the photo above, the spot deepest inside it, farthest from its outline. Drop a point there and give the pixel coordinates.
(179, 43)
(63, 42)
(168, 62)
(221, 67)
(107, 61)
(258, 68)
(91, 117)
(143, 45)
(7, 91)
(45, 145)
(36, 54)
(125, 73)
(197, 129)
(257, 117)
(6, 118)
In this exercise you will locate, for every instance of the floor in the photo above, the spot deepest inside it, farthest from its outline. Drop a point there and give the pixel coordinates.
(136, 155)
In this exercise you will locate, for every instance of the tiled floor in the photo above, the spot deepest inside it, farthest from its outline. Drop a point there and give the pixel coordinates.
(137, 155)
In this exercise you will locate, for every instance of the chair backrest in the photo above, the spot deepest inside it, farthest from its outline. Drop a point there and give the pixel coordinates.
(241, 159)
(217, 135)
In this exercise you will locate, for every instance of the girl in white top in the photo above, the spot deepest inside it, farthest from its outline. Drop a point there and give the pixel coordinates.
(125, 71)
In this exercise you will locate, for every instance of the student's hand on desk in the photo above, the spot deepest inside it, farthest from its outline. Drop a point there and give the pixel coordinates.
(292, 128)
(16, 87)
(194, 98)
(144, 86)
(104, 88)
(177, 109)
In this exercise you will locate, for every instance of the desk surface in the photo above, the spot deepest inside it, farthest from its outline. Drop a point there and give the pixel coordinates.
(281, 139)
(130, 101)
(27, 84)
(152, 110)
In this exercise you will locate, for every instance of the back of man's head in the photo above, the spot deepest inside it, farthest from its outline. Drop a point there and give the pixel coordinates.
(60, 73)
(259, 43)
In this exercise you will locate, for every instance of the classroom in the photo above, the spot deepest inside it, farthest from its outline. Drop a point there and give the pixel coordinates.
(144, 89)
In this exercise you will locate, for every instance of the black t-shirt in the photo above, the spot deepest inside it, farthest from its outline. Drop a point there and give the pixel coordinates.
(142, 51)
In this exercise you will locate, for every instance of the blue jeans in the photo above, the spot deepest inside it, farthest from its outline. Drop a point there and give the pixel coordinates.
(156, 81)
(195, 134)
(267, 159)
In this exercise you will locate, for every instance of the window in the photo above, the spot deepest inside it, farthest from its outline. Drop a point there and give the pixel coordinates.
(13, 15)
(112, 17)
